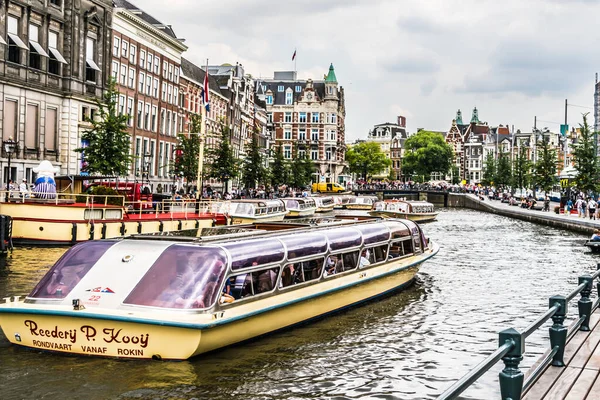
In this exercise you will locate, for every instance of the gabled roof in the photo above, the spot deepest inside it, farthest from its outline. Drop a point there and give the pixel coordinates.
(279, 97)
(195, 73)
(167, 29)
(331, 75)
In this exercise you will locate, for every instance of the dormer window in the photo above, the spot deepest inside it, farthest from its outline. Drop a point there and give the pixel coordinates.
(280, 88)
(289, 97)
(269, 99)
(298, 89)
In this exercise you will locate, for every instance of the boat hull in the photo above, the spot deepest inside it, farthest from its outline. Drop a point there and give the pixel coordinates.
(180, 336)
(417, 217)
(309, 212)
(324, 209)
(594, 246)
(359, 206)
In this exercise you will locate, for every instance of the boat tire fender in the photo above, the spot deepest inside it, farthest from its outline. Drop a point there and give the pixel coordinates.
(179, 225)
(122, 228)
(139, 227)
(104, 230)
(73, 233)
(161, 226)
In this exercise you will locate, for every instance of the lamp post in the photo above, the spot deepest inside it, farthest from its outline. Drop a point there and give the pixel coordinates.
(9, 147)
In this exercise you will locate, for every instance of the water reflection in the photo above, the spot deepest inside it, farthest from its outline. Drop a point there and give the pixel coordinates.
(491, 273)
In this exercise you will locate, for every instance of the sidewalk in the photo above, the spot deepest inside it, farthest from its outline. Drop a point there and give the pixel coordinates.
(572, 222)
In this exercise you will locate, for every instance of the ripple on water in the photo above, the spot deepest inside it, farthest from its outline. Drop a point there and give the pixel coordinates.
(491, 273)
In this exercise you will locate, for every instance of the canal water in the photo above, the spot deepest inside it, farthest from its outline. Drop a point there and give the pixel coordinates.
(490, 274)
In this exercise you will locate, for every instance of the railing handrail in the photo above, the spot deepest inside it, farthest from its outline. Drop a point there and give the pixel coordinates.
(512, 382)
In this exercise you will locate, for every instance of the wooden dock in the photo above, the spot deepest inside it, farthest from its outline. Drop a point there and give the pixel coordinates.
(580, 378)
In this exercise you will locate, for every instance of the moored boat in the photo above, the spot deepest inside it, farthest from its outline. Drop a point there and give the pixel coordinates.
(161, 298)
(360, 202)
(340, 201)
(593, 245)
(420, 211)
(247, 211)
(324, 203)
(300, 207)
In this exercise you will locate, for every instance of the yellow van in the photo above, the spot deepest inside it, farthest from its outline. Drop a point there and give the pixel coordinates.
(327, 188)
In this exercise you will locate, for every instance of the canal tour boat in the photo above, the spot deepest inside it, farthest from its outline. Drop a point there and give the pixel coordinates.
(68, 219)
(247, 211)
(300, 207)
(324, 203)
(420, 211)
(340, 201)
(160, 298)
(361, 202)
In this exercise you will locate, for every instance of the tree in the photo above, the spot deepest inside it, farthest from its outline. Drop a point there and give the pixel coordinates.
(185, 162)
(224, 166)
(545, 168)
(366, 159)
(521, 170)
(585, 160)
(309, 167)
(108, 143)
(489, 170)
(455, 173)
(254, 170)
(426, 152)
(503, 171)
(278, 168)
(301, 170)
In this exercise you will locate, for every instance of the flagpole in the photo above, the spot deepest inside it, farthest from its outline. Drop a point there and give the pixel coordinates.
(295, 60)
(200, 176)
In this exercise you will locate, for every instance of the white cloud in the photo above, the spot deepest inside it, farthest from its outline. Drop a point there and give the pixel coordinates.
(423, 59)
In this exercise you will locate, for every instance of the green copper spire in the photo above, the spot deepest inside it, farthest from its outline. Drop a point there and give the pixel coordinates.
(331, 75)
(475, 117)
(459, 117)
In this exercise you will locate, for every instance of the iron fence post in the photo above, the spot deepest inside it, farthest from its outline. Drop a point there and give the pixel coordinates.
(585, 303)
(558, 332)
(511, 377)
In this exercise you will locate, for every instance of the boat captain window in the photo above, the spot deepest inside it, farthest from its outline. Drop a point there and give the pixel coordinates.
(70, 269)
(184, 276)
(251, 253)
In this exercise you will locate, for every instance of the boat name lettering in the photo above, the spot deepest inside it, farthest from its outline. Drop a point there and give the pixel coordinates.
(70, 334)
(115, 336)
(52, 345)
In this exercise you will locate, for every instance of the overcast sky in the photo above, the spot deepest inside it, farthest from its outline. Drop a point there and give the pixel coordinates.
(424, 59)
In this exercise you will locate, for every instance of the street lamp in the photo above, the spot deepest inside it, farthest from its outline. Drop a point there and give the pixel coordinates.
(9, 146)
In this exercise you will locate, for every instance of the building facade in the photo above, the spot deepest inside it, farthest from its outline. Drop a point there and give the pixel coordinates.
(53, 64)
(146, 64)
(391, 137)
(308, 117)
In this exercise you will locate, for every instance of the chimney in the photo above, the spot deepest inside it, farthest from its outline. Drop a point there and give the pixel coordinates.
(401, 121)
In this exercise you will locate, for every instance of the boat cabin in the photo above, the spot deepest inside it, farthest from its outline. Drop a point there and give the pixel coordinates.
(252, 208)
(299, 203)
(195, 274)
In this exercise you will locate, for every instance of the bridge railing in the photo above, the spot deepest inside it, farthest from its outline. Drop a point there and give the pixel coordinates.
(512, 344)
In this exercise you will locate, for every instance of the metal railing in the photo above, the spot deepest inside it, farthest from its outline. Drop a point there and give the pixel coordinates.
(512, 344)
(32, 196)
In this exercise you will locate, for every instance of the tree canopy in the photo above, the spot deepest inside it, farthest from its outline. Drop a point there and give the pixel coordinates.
(545, 167)
(366, 159)
(224, 166)
(108, 144)
(585, 160)
(253, 169)
(488, 175)
(185, 162)
(278, 168)
(426, 152)
(521, 177)
(503, 171)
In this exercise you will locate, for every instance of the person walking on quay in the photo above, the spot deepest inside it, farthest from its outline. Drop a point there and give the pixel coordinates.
(578, 206)
(568, 207)
(592, 208)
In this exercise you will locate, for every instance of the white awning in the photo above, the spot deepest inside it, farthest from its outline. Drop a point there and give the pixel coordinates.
(39, 49)
(92, 64)
(57, 55)
(18, 41)
(2, 40)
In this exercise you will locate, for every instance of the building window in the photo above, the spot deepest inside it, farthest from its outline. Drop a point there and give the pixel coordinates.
(333, 118)
(330, 134)
(131, 78)
(314, 135)
(287, 134)
(330, 90)
(147, 117)
(168, 127)
(35, 49)
(155, 88)
(50, 129)
(287, 152)
(302, 117)
(156, 64)
(165, 67)
(150, 62)
(176, 96)
(298, 89)
(132, 54)
(15, 44)
(140, 112)
(314, 155)
(56, 57)
(280, 88)
(270, 117)
(163, 120)
(129, 111)
(116, 46)
(91, 66)
(170, 72)
(143, 58)
(10, 120)
(57, 3)
(164, 92)
(289, 97)
(121, 104)
(123, 74)
(315, 118)
(124, 49)
(31, 126)
(174, 133)
(170, 94)
(148, 85)
(301, 154)
(141, 81)
(287, 117)
(269, 99)
(302, 134)
(328, 154)
(154, 122)
(115, 70)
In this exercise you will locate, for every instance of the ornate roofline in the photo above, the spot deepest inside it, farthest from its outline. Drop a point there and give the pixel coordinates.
(127, 14)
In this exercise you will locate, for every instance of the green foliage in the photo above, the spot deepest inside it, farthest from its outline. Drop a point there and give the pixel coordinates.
(100, 192)
(278, 168)
(489, 170)
(224, 166)
(254, 170)
(426, 152)
(185, 162)
(545, 167)
(301, 170)
(503, 171)
(455, 172)
(585, 159)
(521, 177)
(109, 145)
(367, 159)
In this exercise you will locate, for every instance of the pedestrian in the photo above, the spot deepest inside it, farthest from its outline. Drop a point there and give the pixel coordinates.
(568, 207)
(592, 208)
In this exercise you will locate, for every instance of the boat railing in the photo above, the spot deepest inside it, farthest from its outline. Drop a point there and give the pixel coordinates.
(513, 382)
(89, 200)
(176, 207)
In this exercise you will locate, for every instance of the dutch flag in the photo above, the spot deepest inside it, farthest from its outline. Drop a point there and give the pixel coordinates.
(205, 98)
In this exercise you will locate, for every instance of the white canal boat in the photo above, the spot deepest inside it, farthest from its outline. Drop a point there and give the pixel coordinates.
(300, 207)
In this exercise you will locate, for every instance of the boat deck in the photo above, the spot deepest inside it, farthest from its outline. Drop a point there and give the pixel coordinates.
(580, 378)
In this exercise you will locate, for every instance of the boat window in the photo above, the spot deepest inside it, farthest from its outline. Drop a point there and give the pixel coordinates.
(377, 254)
(70, 269)
(250, 284)
(92, 214)
(338, 263)
(343, 238)
(399, 230)
(400, 248)
(373, 233)
(291, 204)
(184, 277)
(113, 214)
(304, 245)
(301, 272)
(416, 234)
(255, 252)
